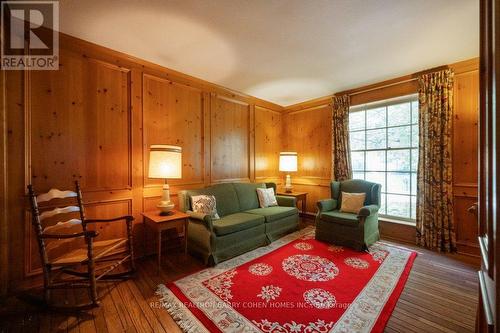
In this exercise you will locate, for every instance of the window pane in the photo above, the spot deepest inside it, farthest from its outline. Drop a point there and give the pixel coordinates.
(413, 207)
(357, 140)
(414, 159)
(414, 183)
(376, 177)
(358, 161)
(414, 112)
(399, 137)
(384, 150)
(358, 175)
(399, 114)
(414, 136)
(398, 205)
(398, 183)
(356, 120)
(375, 160)
(382, 205)
(398, 160)
(375, 118)
(375, 139)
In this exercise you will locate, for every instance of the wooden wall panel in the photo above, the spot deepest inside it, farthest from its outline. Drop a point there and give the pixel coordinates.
(230, 139)
(81, 110)
(465, 155)
(308, 132)
(268, 144)
(173, 114)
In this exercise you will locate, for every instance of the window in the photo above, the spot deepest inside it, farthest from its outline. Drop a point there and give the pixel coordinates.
(384, 150)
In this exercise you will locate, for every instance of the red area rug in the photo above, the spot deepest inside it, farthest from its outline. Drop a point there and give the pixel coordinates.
(297, 284)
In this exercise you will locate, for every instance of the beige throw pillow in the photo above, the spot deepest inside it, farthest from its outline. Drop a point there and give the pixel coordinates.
(205, 204)
(352, 202)
(266, 197)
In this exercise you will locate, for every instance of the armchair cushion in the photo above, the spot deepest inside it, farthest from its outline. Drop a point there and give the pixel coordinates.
(335, 216)
(352, 202)
(236, 222)
(274, 213)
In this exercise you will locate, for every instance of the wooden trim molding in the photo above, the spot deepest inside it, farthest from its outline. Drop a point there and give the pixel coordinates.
(4, 227)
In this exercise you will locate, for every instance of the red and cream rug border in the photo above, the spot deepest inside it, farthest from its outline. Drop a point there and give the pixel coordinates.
(191, 319)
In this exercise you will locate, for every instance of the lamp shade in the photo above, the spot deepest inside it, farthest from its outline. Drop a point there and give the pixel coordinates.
(288, 161)
(165, 161)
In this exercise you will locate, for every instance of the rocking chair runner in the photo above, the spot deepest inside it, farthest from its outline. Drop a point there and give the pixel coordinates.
(90, 252)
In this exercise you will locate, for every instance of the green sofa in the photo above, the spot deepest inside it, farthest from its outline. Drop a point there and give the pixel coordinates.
(242, 226)
(357, 231)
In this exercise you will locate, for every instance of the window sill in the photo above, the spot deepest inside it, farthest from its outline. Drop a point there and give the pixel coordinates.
(408, 223)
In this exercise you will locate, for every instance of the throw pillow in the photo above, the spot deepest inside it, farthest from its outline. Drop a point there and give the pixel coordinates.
(352, 202)
(266, 197)
(205, 204)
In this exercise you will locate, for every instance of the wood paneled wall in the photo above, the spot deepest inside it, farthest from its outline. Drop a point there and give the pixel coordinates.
(308, 132)
(94, 120)
(465, 154)
(307, 129)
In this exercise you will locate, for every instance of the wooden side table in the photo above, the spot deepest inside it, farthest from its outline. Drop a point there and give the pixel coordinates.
(300, 196)
(159, 223)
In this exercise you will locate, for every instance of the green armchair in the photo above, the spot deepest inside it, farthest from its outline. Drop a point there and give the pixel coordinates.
(357, 231)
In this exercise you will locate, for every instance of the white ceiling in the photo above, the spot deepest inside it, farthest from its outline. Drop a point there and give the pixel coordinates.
(284, 51)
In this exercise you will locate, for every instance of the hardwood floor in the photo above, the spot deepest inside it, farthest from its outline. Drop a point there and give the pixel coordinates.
(440, 296)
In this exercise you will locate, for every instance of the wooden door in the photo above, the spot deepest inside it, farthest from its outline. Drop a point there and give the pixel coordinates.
(488, 312)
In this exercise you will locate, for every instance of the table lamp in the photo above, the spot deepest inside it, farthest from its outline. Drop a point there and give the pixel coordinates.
(288, 163)
(165, 162)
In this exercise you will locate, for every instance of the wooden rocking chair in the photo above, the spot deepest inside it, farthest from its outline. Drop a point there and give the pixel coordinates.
(69, 248)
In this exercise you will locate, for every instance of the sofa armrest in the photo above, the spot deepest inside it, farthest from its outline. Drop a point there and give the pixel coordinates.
(326, 205)
(205, 218)
(286, 201)
(368, 210)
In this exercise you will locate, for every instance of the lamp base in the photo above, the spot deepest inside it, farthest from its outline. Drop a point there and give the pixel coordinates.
(166, 213)
(165, 205)
(288, 184)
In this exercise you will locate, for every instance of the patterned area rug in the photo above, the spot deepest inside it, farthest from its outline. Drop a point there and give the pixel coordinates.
(297, 284)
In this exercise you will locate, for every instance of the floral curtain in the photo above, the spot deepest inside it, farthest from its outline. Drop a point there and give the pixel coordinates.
(340, 138)
(435, 227)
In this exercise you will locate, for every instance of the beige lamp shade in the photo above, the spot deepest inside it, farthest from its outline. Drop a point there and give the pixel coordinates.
(288, 161)
(165, 162)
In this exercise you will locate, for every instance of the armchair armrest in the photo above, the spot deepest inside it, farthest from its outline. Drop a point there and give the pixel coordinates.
(326, 205)
(205, 218)
(286, 201)
(127, 218)
(86, 234)
(368, 210)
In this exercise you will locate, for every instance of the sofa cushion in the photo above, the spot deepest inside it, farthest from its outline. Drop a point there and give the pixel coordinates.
(336, 216)
(225, 196)
(247, 194)
(236, 222)
(274, 213)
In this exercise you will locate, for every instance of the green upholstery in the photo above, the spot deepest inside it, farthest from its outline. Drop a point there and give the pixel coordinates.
(335, 216)
(286, 201)
(274, 213)
(354, 230)
(247, 195)
(236, 222)
(243, 226)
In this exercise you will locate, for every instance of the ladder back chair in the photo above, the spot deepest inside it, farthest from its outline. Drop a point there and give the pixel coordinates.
(67, 246)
